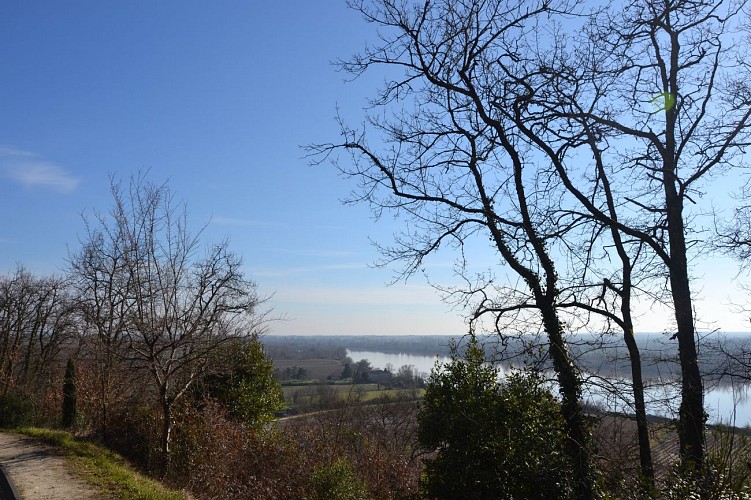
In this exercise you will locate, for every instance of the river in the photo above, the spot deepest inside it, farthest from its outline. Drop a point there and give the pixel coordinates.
(725, 403)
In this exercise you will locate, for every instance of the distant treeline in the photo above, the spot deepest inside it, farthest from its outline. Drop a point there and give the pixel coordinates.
(336, 346)
(603, 354)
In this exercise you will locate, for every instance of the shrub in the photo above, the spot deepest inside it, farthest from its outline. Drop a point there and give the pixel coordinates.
(16, 410)
(248, 387)
(491, 440)
(134, 432)
(726, 473)
(337, 482)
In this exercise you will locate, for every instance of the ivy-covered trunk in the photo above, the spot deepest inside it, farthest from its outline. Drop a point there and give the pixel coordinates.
(569, 382)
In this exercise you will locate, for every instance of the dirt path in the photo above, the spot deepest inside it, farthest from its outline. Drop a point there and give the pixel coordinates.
(39, 472)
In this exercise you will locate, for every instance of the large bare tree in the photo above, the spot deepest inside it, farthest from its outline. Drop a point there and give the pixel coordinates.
(459, 170)
(654, 100)
(102, 283)
(153, 301)
(538, 123)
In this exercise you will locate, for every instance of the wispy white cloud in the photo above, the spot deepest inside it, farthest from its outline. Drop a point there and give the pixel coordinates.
(31, 170)
(10, 151)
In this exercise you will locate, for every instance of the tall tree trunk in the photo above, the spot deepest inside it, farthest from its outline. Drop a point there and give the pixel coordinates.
(691, 413)
(569, 382)
(166, 430)
(637, 383)
(642, 426)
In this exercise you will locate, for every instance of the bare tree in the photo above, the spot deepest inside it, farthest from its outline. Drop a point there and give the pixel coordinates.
(496, 121)
(35, 326)
(656, 94)
(153, 301)
(104, 301)
(732, 356)
(460, 170)
(734, 236)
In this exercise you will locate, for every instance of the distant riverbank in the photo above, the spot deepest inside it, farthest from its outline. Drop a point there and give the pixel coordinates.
(726, 403)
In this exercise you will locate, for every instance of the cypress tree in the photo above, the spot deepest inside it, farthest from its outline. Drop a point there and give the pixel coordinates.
(69, 394)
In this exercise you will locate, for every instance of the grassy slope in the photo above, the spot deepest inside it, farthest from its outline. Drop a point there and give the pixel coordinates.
(103, 468)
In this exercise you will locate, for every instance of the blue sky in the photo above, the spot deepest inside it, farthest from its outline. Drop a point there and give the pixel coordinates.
(217, 97)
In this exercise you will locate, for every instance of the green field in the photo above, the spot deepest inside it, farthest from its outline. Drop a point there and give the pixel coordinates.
(302, 397)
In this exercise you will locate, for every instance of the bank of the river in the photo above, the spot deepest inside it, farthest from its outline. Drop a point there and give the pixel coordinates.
(726, 403)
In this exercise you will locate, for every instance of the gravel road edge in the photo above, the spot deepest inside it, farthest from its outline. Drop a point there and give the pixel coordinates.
(8, 490)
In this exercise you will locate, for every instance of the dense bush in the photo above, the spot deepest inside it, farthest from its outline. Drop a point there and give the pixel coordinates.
(337, 481)
(491, 440)
(378, 440)
(246, 385)
(726, 474)
(217, 456)
(16, 410)
(134, 433)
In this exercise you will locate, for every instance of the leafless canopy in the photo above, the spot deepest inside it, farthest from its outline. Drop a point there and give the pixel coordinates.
(150, 300)
(577, 140)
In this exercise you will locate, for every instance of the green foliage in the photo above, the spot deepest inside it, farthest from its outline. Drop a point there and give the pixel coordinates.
(492, 440)
(726, 473)
(249, 390)
(16, 410)
(293, 373)
(337, 481)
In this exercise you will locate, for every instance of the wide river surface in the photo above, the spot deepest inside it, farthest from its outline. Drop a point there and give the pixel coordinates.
(725, 403)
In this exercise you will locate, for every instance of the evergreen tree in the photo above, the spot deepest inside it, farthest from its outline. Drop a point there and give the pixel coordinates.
(347, 371)
(69, 394)
(248, 387)
(492, 440)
